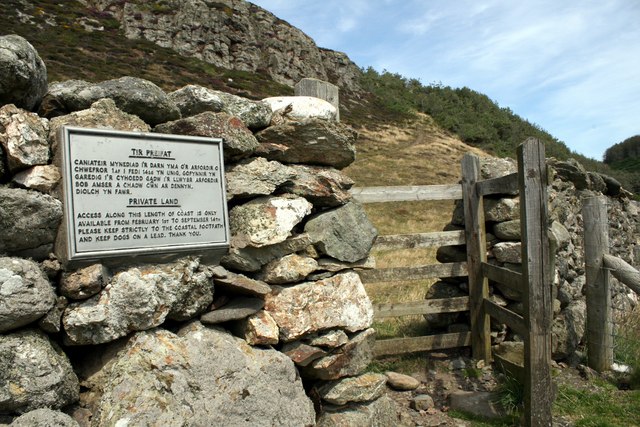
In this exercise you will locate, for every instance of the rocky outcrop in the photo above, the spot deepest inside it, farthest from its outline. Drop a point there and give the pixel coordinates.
(235, 35)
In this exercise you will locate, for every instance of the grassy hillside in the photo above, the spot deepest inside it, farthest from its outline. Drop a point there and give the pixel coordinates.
(624, 158)
(56, 30)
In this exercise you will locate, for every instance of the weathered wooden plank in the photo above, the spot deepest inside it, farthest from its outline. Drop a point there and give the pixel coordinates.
(506, 316)
(427, 306)
(476, 254)
(406, 193)
(507, 184)
(598, 295)
(508, 278)
(532, 177)
(623, 272)
(419, 240)
(453, 269)
(425, 343)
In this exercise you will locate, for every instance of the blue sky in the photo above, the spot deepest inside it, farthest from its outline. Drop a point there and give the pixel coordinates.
(570, 66)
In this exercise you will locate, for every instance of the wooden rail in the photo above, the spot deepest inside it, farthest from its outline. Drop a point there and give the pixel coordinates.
(407, 193)
(414, 241)
(623, 272)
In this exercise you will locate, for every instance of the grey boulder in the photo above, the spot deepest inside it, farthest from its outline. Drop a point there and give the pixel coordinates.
(23, 75)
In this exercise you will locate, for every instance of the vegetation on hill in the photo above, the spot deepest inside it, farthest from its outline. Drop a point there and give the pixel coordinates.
(58, 31)
(481, 122)
(624, 158)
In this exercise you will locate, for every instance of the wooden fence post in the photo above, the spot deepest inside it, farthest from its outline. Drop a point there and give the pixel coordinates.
(532, 177)
(476, 255)
(599, 320)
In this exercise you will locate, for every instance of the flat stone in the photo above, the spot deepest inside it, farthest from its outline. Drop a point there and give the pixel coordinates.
(401, 382)
(508, 230)
(239, 142)
(334, 266)
(312, 142)
(252, 259)
(381, 412)
(362, 388)
(500, 210)
(256, 177)
(240, 284)
(330, 339)
(509, 252)
(301, 353)
(238, 308)
(322, 186)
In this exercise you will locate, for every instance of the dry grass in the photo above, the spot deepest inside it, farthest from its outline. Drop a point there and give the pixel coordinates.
(419, 153)
(627, 342)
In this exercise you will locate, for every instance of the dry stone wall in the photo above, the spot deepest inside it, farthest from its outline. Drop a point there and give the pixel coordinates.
(569, 184)
(185, 342)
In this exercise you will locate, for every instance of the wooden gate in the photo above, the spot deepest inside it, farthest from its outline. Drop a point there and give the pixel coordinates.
(534, 283)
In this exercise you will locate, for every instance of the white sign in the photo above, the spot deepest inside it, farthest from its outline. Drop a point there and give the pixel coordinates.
(132, 193)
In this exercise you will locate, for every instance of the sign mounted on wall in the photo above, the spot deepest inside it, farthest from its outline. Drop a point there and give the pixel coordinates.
(141, 194)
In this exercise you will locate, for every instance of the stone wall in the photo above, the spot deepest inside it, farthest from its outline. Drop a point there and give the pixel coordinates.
(184, 342)
(569, 184)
